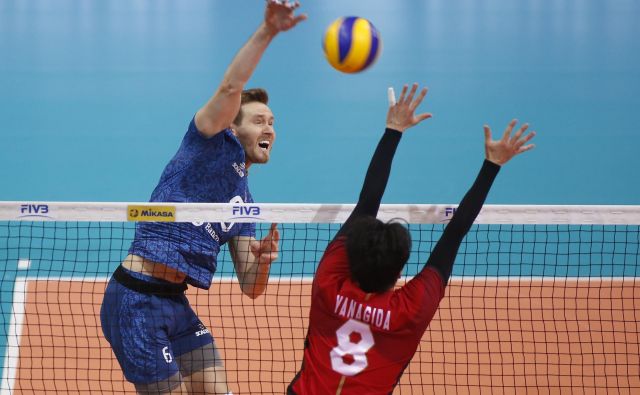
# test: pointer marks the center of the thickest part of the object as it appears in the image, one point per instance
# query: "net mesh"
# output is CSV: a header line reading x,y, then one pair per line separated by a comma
x,y
543,308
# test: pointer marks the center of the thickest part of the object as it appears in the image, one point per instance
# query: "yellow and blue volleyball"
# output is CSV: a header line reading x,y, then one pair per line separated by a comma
x,y
351,44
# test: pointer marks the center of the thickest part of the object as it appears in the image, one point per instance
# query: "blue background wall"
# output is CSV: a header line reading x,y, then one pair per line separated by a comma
x,y
95,97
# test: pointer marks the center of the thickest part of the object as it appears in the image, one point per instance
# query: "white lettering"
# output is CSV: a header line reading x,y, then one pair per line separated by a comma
x,y
202,332
339,299
212,232
167,355
239,168
387,321
379,316
367,314
352,309
359,313
343,310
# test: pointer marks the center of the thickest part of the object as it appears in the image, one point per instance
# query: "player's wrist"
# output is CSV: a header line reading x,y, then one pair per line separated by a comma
x,y
395,127
268,29
494,160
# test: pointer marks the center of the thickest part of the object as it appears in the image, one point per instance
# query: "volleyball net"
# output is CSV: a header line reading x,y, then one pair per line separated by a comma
x,y
543,299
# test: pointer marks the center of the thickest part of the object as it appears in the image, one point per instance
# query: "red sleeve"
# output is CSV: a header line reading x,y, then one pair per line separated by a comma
x,y
333,267
421,296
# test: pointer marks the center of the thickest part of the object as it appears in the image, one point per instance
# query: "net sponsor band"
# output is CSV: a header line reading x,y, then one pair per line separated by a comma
x,y
151,213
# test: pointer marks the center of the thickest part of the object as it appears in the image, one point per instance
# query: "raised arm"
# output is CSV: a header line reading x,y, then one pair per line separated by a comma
x,y
400,117
497,153
220,110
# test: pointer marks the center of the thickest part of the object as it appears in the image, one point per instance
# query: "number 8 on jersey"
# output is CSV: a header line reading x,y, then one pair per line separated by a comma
x,y
354,340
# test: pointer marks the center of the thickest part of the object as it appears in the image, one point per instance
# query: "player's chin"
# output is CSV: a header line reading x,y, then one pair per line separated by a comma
x,y
261,157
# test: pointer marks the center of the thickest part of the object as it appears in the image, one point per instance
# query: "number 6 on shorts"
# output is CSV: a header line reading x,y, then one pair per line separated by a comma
x,y
346,346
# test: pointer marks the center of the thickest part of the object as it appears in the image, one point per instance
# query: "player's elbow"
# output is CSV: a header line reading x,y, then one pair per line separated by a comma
x,y
230,87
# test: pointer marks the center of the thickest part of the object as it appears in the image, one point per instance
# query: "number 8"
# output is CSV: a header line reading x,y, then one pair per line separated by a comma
x,y
347,347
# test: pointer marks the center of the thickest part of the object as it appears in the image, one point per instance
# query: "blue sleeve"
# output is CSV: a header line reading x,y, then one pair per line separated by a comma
x,y
194,143
201,170
248,229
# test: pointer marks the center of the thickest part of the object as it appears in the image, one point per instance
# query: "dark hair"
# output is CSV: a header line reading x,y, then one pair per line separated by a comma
x,y
250,96
377,252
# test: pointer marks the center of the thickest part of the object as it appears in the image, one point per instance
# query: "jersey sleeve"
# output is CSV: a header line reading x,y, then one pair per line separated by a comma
x,y
421,296
195,143
333,267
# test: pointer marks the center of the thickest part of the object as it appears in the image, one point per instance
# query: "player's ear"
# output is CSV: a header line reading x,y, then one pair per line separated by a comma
x,y
234,129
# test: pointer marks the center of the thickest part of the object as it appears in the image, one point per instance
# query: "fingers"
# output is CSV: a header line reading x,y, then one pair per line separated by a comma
x,y
520,144
299,18
509,129
516,136
419,99
391,97
268,258
285,3
266,251
404,98
414,88
274,233
422,117
270,242
526,148
487,134
403,93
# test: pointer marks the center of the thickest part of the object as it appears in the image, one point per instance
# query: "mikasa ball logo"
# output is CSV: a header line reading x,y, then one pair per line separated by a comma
x,y
151,213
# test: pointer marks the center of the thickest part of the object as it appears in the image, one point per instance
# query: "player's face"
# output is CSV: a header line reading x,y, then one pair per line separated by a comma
x,y
255,132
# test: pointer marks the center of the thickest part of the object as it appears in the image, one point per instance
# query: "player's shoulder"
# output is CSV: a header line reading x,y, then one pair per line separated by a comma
x,y
337,245
336,251
194,132
333,268
418,299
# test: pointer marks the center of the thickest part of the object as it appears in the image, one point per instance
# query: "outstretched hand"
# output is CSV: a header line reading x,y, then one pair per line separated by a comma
x,y
266,250
401,115
501,151
279,15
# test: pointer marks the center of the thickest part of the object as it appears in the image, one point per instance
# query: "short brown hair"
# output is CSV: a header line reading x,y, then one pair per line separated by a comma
x,y
250,96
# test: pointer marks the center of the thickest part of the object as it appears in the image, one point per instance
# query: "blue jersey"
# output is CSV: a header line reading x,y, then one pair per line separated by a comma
x,y
204,170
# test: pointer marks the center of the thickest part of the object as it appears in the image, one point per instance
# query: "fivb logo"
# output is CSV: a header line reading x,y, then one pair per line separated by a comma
x,y
242,212
245,211
34,210
448,213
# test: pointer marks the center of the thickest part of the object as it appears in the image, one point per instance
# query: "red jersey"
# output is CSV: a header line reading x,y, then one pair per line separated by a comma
x,y
360,343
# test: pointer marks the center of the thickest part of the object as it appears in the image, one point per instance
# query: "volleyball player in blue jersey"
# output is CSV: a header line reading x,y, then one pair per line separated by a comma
x,y
160,343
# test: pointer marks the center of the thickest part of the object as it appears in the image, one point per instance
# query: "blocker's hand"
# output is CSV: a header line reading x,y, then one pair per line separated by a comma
x,y
279,15
401,114
501,151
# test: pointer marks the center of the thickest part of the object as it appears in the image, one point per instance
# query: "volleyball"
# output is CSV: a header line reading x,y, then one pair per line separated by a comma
x,y
351,44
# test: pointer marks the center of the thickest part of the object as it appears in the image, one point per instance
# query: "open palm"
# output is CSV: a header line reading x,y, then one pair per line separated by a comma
x,y
501,151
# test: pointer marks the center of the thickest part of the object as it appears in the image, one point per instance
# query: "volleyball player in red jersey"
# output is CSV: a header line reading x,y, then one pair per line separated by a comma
x,y
363,333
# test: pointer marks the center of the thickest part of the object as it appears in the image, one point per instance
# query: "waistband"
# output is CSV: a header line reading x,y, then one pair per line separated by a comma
x,y
135,284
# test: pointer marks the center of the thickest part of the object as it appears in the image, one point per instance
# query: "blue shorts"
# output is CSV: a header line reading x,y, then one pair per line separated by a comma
x,y
149,333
